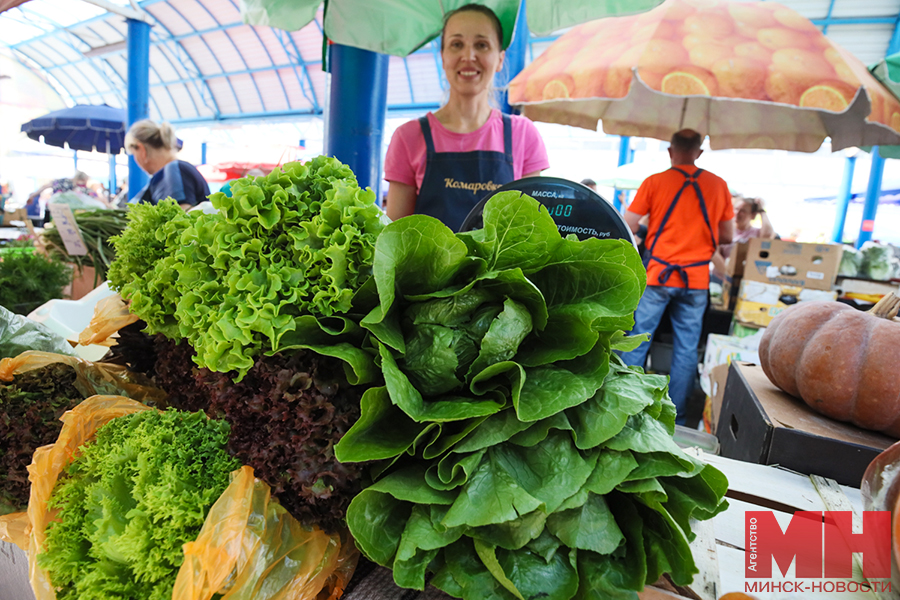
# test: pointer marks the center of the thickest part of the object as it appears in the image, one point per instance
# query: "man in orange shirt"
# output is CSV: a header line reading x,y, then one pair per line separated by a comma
x,y
690,215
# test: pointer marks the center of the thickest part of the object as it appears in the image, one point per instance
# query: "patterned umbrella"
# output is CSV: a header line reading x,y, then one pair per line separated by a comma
x,y
401,26
748,74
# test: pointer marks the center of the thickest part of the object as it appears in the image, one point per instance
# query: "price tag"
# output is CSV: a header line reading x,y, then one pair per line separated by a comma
x,y
68,229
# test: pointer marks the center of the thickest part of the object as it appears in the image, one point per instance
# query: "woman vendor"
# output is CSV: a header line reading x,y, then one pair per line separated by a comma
x,y
745,211
442,164
155,150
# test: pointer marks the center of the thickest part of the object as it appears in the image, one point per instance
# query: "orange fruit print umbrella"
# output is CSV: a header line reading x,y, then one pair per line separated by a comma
x,y
749,75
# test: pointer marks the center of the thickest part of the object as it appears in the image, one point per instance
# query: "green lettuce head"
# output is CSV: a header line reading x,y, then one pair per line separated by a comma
x,y
520,457
278,266
511,315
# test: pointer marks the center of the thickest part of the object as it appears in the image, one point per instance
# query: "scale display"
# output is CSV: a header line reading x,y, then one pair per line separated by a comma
x,y
575,208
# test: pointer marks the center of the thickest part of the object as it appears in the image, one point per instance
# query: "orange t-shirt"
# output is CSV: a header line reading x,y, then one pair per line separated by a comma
x,y
686,238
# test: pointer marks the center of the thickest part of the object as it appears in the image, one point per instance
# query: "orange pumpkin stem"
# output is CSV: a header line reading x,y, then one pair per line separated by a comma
x,y
887,307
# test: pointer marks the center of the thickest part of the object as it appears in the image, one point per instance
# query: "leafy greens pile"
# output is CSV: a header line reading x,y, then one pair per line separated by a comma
x,y
97,227
278,266
145,270
129,502
28,280
30,408
286,416
521,458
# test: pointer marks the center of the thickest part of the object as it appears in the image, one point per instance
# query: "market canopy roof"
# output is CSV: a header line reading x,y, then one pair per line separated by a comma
x,y
206,65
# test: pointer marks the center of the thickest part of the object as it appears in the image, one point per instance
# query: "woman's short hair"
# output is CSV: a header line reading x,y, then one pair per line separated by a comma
x,y
145,131
477,8
80,177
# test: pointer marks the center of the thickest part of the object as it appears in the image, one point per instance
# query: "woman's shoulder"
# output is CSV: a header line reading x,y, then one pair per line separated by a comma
x,y
523,122
411,128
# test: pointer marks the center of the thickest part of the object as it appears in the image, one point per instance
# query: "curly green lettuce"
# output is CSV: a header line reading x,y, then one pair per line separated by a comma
x,y
282,264
145,269
130,501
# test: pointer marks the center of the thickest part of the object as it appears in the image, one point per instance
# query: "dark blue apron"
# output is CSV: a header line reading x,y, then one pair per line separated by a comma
x,y
455,182
689,180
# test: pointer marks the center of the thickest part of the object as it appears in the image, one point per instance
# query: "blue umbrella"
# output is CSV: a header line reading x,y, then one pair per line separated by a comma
x,y
82,127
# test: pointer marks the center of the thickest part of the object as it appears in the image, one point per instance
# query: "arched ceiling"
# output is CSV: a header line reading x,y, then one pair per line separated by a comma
x,y
206,65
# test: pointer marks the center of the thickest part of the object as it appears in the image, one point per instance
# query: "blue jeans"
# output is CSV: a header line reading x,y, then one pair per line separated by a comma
x,y
687,310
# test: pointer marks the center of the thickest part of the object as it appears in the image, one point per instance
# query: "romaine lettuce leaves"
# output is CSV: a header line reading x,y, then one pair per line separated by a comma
x,y
519,457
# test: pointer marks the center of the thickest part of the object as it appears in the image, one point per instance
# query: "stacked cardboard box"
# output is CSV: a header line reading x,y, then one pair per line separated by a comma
x,y
734,271
778,274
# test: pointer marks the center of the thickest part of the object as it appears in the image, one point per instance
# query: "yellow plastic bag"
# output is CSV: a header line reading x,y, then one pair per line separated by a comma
x,y
110,315
92,378
248,548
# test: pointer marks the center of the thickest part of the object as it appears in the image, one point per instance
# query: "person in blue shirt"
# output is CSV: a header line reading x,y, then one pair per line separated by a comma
x,y
155,150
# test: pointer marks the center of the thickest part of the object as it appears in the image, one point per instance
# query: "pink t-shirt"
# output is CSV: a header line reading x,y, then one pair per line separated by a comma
x,y
405,160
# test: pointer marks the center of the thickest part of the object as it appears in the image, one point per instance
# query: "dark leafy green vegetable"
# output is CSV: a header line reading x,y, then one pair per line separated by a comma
x,y
130,501
30,408
286,416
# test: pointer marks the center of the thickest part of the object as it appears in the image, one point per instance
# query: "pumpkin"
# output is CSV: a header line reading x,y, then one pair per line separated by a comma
x,y
844,363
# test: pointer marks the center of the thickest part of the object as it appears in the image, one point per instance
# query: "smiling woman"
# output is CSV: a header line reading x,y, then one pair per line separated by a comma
x,y
442,164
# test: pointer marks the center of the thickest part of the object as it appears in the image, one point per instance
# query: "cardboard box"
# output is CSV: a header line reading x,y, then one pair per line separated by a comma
x,y
759,423
734,264
731,285
855,285
713,406
809,266
758,303
731,278
722,350
7,216
743,330
83,282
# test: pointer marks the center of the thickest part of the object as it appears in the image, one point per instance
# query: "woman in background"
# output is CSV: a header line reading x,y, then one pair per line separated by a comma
x,y
155,149
745,210
442,164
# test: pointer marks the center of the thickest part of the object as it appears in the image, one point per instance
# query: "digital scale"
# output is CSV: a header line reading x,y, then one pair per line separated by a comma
x,y
575,208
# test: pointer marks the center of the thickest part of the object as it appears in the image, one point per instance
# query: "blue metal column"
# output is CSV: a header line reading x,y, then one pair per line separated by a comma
x,y
75,159
515,59
873,192
112,175
203,153
843,201
625,156
356,111
138,92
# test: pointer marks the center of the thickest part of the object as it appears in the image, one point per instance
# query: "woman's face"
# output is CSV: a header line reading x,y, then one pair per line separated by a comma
x,y
139,152
743,214
471,53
